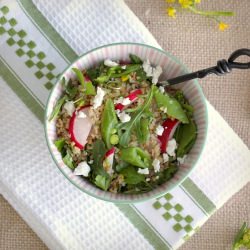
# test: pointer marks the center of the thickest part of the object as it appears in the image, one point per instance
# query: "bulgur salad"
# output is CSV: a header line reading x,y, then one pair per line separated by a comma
x,y
120,130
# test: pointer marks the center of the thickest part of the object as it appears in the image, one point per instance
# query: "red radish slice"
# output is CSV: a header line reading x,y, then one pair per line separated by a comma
x,y
79,128
132,97
169,126
110,152
86,78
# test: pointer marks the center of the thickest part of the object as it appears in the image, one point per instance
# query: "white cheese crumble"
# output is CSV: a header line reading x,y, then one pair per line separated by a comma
x,y
159,130
119,100
147,179
82,169
151,71
91,161
171,147
156,74
69,107
81,114
165,157
124,66
162,89
97,102
156,165
181,160
110,63
143,171
123,116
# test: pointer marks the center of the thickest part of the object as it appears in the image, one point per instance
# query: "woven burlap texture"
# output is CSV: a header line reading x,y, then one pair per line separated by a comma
x,y
199,44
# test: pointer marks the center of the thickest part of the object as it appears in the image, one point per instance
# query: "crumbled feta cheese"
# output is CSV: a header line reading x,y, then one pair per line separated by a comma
x,y
151,71
81,114
143,171
159,130
171,147
165,157
156,74
110,63
123,116
126,101
157,177
147,68
82,169
124,66
162,89
97,102
181,160
69,107
91,161
156,165
147,179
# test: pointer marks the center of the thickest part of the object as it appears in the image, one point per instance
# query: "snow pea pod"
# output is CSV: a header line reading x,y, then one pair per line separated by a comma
x,y
108,122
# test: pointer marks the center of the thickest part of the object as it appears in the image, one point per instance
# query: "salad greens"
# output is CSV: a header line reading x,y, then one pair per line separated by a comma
x,y
109,122
242,239
122,146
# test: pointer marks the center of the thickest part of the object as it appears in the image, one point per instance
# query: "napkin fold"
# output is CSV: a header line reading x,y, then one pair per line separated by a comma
x,y
37,41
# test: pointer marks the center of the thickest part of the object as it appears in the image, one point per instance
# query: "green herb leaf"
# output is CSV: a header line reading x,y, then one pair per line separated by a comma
x,y
89,89
68,160
135,59
102,182
174,108
129,69
108,122
167,173
59,143
125,129
121,165
238,241
99,151
184,103
131,176
185,136
71,90
136,157
57,107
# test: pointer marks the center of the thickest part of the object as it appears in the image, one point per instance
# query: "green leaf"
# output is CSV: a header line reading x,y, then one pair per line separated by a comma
x,y
121,165
185,136
108,122
89,89
135,59
99,151
59,143
142,130
57,107
136,157
184,103
68,160
174,108
237,244
129,69
125,129
71,90
131,176
102,182
167,173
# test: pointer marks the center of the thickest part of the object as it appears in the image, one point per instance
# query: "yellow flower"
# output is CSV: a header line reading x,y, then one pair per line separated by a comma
x,y
170,1
171,12
223,26
197,1
185,3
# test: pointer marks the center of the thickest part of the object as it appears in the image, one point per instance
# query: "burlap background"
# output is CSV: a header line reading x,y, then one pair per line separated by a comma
x,y
198,43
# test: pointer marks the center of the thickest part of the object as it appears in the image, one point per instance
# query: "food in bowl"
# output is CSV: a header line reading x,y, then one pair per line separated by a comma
x,y
120,130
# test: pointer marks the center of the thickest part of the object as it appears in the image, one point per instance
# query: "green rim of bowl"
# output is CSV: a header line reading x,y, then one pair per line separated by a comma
x,y
171,185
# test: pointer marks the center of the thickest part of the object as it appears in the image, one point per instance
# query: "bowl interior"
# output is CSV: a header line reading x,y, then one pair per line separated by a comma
x,y
171,68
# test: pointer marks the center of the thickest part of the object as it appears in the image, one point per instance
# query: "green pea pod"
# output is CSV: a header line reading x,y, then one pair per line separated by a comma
x,y
109,122
172,106
136,156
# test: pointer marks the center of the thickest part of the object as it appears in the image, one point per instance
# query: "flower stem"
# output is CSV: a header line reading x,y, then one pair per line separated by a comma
x,y
210,13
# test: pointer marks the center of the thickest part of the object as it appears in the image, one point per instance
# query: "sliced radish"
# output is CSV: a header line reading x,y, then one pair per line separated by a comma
x,y
169,126
109,160
79,127
132,97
